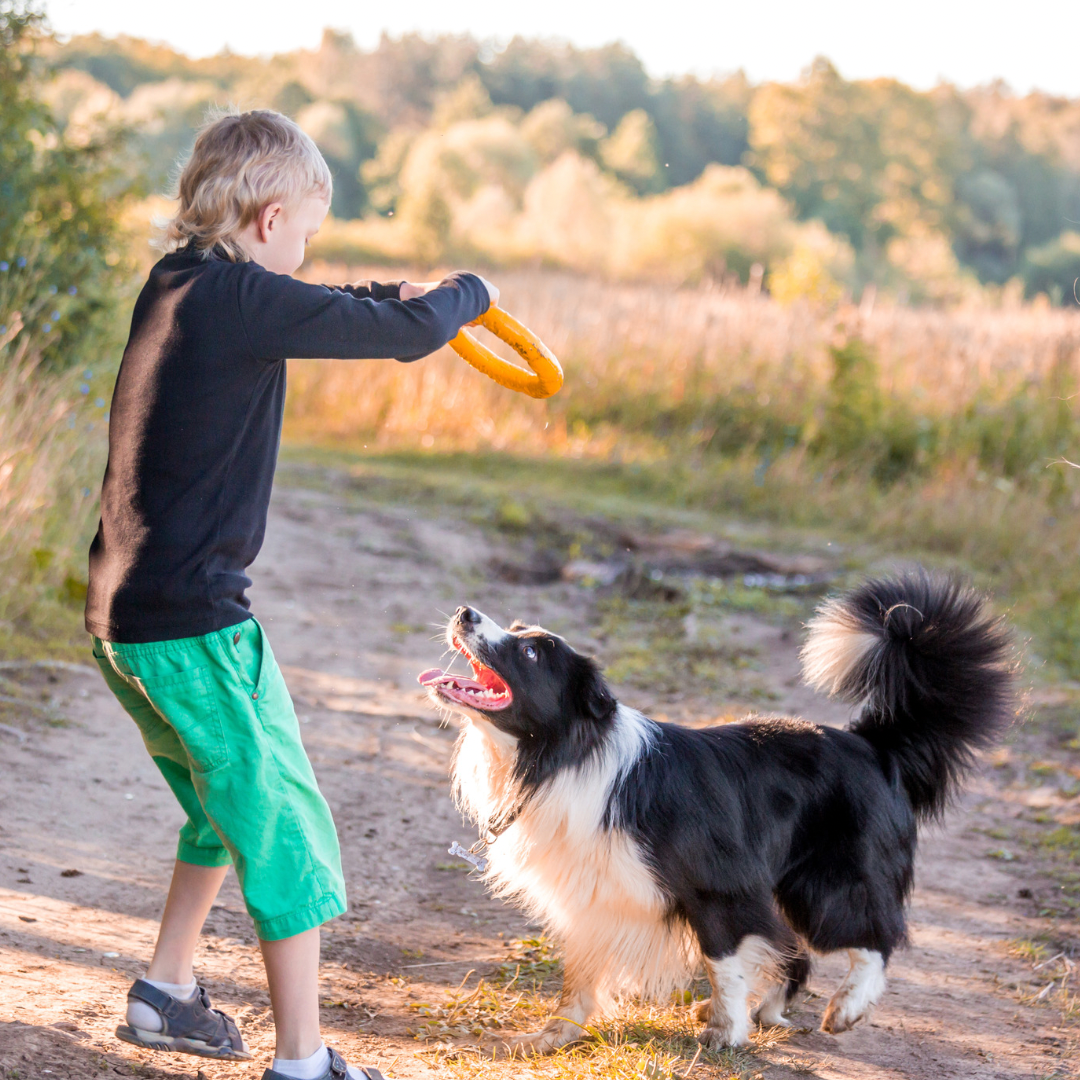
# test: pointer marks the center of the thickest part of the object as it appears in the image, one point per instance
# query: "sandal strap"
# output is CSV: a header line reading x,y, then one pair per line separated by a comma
x,y
157,999
340,1071
194,1018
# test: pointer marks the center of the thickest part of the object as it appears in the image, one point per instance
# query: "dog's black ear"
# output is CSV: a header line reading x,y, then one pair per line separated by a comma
x,y
517,624
587,693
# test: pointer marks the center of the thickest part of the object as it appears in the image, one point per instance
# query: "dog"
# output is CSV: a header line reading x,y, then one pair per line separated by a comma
x,y
648,850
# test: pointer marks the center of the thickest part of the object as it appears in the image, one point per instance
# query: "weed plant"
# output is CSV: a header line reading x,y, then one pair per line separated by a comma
x,y
52,455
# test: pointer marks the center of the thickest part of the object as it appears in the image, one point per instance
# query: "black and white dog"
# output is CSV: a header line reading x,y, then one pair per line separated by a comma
x,y
646,849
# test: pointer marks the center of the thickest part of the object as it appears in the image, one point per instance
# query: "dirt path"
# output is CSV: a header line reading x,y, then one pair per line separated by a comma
x,y
351,598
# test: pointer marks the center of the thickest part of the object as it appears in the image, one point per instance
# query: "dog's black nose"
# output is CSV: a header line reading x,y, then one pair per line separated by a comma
x,y
468,615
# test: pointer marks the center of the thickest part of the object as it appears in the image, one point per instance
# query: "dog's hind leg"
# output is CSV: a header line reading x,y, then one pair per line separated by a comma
x,y
770,1012
794,976
858,993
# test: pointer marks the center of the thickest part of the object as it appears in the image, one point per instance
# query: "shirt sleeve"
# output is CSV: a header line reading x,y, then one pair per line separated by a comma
x,y
374,290
283,317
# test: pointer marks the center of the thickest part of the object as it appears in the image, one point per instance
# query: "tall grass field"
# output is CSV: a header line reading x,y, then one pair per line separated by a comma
x,y
938,434
944,435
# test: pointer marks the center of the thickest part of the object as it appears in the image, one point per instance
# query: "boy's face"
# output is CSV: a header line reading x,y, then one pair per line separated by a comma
x,y
277,239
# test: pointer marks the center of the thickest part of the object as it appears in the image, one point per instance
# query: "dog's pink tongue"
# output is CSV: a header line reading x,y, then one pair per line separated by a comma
x,y
428,676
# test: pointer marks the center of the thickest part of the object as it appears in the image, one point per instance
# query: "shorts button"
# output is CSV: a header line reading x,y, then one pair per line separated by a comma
x,y
236,638
255,696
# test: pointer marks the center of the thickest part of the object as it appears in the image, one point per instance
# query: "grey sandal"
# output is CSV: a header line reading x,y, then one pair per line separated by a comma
x,y
337,1070
191,1027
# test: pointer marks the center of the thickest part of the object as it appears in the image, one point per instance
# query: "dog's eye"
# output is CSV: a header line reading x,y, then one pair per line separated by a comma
x,y
529,652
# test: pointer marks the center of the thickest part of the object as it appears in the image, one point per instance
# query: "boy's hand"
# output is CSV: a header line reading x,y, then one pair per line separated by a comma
x,y
409,290
493,293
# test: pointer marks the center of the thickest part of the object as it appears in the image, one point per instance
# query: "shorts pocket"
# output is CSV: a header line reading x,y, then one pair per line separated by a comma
x,y
186,702
248,650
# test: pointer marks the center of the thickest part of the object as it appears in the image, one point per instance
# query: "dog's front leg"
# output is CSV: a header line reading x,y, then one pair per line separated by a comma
x,y
725,1016
576,1004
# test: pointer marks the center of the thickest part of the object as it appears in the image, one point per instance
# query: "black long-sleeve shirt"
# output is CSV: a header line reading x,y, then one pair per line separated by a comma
x,y
195,424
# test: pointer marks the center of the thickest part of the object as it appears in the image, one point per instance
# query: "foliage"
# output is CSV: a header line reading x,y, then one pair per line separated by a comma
x,y
348,136
60,251
925,194
721,224
52,451
479,188
1053,268
867,158
630,152
62,272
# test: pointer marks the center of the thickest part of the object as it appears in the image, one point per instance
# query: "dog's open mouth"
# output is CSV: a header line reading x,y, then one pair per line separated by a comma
x,y
485,690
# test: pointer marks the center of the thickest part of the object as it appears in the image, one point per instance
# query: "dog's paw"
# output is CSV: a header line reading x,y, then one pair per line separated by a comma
x,y
839,1018
844,1011
857,995
770,1011
713,1037
769,1016
539,1042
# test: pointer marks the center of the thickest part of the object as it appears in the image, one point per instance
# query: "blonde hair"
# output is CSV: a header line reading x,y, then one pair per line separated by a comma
x,y
240,163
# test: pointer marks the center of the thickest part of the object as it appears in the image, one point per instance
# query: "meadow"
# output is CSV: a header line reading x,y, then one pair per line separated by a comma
x,y
929,433
942,435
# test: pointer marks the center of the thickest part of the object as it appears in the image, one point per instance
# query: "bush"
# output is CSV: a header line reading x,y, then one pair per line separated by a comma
x,y
723,223
1053,268
60,250
61,285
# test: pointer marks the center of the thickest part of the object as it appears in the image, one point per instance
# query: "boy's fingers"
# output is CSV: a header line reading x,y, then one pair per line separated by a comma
x,y
493,293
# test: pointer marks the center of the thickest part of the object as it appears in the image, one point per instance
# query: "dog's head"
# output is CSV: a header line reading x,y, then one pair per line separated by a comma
x,y
525,681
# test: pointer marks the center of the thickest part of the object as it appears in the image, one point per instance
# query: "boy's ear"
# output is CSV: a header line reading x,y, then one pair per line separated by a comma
x,y
269,217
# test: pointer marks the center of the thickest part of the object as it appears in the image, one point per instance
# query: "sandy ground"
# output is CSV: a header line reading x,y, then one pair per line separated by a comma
x,y
351,598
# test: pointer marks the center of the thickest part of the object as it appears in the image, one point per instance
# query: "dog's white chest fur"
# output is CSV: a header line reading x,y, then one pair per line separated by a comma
x,y
587,883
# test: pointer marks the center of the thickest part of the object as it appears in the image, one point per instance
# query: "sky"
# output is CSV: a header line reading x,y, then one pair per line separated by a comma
x,y
1029,45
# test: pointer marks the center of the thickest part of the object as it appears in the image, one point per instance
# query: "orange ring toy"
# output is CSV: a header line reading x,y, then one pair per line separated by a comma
x,y
546,376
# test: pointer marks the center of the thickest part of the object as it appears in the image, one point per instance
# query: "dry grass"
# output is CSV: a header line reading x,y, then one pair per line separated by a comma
x,y
654,1042
934,434
642,1042
49,461
673,348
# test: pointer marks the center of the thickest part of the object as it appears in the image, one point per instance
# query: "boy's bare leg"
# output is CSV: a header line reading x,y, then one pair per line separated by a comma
x,y
191,895
292,970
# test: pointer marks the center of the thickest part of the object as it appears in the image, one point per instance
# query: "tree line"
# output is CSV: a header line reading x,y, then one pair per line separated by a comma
x,y
979,182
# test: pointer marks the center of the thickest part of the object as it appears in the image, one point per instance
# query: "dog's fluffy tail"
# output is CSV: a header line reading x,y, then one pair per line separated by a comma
x,y
932,667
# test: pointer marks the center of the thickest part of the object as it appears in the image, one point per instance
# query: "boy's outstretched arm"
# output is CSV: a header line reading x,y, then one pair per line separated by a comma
x,y
282,317
409,290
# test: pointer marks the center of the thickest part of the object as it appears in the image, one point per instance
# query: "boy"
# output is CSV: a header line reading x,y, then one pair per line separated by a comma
x,y
193,440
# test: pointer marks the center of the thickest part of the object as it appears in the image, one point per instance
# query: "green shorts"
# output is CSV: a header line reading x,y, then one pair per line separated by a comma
x,y
218,721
